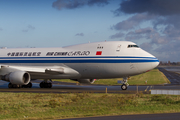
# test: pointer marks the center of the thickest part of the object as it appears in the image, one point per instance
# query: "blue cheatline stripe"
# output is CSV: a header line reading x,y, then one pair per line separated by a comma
x,y
76,57
82,61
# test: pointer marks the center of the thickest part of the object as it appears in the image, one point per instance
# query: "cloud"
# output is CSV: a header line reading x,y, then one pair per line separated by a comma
x,y
117,35
98,2
1,29
131,36
79,34
29,27
147,30
158,7
132,22
146,46
139,34
172,32
169,47
73,4
155,23
25,30
169,51
147,34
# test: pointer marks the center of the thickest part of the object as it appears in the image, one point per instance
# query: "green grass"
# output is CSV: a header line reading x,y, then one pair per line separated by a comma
x,y
66,80
152,77
54,106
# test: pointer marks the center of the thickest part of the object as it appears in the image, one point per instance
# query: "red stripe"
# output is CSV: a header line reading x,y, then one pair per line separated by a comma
x,y
98,52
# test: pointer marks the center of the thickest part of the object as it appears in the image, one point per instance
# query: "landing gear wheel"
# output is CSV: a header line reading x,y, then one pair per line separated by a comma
x,y
24,86
41,85
49,85
45,85
124,83
10,85
123,86
29,85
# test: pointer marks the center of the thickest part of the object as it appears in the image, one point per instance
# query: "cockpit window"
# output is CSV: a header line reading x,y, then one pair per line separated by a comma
x,y
130,46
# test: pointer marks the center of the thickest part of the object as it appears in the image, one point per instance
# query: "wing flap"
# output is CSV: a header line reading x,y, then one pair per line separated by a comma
x,y
54,71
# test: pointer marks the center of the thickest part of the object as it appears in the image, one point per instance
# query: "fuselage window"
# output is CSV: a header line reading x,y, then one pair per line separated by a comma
x,y
130,46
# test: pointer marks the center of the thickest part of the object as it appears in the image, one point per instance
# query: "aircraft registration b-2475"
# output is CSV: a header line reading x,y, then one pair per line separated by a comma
x,y
82,63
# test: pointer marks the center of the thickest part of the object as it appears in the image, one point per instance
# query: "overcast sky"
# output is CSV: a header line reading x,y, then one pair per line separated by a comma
x,y
152,24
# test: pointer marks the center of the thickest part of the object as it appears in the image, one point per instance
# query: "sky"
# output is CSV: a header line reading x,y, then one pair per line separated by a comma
x,y
154,25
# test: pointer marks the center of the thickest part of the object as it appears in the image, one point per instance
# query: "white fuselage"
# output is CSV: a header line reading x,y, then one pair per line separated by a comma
x,y
112,59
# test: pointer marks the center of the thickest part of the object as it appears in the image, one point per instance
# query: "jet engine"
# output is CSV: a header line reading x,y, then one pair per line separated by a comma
x,y
18,78
85,81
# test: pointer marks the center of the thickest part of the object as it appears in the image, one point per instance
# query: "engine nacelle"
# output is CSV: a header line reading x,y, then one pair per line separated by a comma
x,y
19,78
85,81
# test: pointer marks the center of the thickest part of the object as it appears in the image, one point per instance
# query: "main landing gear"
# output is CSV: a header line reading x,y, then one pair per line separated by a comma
x,y
10,85
29,85
46,84
124,83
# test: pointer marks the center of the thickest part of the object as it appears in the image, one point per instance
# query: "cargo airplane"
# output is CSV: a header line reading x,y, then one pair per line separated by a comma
x,y
83,63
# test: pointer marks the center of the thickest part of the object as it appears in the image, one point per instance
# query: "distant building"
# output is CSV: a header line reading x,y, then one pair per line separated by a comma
x,y
169,63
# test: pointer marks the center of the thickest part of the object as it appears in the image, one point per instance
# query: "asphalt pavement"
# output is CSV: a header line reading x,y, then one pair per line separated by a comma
x,y
173,77
166,116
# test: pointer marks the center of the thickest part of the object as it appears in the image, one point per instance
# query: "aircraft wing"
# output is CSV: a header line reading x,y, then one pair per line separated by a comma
x,y
33,69
19,74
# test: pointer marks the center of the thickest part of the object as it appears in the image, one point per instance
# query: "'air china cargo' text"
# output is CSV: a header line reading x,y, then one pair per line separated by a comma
x,y
76,53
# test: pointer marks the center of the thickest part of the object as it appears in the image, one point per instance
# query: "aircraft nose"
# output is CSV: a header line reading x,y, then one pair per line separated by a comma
x,y
155,63
150,62
153,59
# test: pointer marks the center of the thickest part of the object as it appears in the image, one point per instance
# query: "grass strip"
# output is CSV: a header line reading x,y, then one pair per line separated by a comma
x,y
152,77
54,106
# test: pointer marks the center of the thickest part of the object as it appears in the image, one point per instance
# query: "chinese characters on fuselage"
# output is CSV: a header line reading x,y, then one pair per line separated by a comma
x,y
24,54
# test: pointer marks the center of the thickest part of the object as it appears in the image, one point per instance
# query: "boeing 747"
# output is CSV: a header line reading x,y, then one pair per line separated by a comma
x,y
82,63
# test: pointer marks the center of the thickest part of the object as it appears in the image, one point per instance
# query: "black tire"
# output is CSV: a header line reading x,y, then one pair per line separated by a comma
x,y
41,85
10,85
49,85
123,86
14,86
45,85
25,86
29,85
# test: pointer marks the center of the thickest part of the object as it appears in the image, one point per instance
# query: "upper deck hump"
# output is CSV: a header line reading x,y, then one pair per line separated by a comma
x,y
95,44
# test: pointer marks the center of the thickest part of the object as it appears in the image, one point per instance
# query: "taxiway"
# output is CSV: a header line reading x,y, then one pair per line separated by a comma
x,y
60,87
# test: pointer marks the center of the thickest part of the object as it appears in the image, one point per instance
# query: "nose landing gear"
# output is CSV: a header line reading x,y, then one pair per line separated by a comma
x,y
124,83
